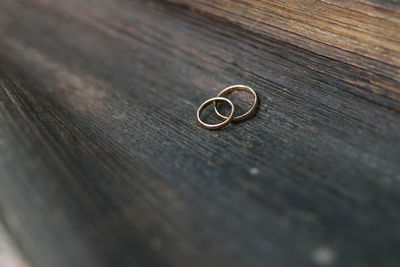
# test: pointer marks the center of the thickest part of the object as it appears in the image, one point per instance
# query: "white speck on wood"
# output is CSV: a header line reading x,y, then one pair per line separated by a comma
x,y
323,256
254,171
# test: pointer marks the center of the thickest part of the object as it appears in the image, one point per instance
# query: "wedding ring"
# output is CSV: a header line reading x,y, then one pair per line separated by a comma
x,y
231,89
226,121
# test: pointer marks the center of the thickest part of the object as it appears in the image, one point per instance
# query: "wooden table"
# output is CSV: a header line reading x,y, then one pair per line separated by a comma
x,y
102,162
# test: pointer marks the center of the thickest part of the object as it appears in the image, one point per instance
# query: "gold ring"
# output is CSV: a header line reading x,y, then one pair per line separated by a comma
x,y
226,121
231,89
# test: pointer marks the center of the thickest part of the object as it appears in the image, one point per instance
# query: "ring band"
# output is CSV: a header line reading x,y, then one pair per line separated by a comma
x,y
231,89
226,121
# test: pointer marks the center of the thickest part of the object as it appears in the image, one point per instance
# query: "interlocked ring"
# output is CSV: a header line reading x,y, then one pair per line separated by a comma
x,y
231,89
226,121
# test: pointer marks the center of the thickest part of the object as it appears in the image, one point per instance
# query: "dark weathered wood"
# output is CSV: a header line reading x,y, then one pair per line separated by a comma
x,y
102,162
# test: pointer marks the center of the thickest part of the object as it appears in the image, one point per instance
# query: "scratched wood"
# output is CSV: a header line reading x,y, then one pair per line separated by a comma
x,y
102,162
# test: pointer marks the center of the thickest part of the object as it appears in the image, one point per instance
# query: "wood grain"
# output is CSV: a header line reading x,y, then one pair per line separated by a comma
x,y
102,162
360,34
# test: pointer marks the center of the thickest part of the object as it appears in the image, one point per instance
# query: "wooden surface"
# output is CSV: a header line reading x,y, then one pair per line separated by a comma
x,y
102,162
